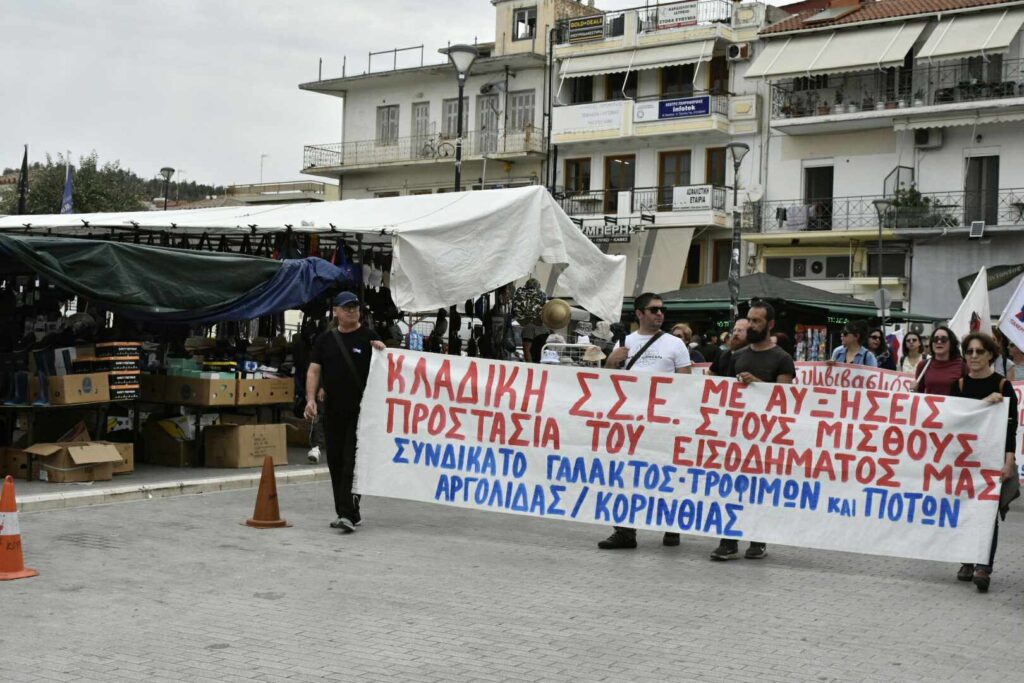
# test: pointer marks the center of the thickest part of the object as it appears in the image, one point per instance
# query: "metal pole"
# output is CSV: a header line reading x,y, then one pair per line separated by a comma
x,y
458,140
880,274
167,189
734,264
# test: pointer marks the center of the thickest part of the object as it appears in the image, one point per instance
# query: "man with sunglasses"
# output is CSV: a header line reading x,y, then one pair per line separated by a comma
x,y
649,349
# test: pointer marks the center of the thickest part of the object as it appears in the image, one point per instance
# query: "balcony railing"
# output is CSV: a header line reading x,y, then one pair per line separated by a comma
x,y
971,80
435,147
668,198
910,209
663,17
286,188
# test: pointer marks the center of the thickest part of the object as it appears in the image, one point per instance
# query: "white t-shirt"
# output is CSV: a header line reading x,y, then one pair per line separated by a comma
x,y
667,354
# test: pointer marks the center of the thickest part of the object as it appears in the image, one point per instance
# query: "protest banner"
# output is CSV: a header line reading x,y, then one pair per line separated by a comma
x,y
844,375
1018,389
861,470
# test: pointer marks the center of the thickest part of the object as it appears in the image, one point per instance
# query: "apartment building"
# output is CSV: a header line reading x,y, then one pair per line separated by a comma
x,y
399,124
892,128
646,101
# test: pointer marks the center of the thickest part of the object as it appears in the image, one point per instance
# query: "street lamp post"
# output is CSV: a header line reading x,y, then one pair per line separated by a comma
x,y
738,150
882,207
167,172
462,58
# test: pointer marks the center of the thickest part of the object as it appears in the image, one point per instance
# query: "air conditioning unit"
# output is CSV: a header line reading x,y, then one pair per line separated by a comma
x,y
816,268
928,138
738,52
799,268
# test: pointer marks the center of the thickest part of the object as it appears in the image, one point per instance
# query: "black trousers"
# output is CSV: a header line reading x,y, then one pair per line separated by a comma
x,y
340,434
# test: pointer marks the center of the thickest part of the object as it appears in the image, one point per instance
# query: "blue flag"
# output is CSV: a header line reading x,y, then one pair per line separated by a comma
x,y
65,203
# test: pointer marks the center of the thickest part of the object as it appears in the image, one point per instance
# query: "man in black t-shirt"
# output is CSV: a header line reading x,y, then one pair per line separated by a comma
x,y
760,361
340,362
737,341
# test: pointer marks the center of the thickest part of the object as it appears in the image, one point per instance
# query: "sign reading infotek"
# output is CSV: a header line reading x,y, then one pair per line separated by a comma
x,y
892,473
676,108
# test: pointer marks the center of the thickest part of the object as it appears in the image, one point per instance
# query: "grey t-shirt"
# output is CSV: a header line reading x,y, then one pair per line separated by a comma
x,y
765,365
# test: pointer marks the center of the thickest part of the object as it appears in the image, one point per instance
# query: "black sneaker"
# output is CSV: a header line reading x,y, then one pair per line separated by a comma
x,y
617,541
670,539
343,523
981,580
756,551
966,572
726,550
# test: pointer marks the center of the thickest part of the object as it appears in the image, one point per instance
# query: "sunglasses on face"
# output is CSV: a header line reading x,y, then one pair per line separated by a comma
x,y
940,340
655,310
974,351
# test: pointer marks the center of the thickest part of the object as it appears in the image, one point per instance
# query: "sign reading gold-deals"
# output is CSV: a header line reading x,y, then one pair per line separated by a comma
x,y
860,470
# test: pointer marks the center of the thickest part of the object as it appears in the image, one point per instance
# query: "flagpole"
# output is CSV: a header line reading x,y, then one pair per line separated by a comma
x,y
23,185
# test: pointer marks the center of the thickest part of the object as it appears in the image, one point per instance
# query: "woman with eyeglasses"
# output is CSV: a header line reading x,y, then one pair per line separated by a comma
x,y
852,350
985,384
913,352
936,374
877,346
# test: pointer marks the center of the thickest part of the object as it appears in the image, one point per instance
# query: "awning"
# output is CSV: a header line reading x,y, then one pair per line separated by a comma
x,y
964,35
973,118
842,51
637,60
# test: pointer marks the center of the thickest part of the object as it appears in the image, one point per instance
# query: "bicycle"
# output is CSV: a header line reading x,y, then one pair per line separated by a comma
x,y
437,148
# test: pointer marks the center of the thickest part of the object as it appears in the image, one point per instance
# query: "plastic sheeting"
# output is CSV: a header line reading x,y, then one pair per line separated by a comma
x,y
173,285
448,247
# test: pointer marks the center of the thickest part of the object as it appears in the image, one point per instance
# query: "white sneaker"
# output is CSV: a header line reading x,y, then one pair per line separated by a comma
x,y
314,455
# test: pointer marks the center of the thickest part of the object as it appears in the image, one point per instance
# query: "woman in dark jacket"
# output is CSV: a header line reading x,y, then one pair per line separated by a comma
x,y
877,346
984,384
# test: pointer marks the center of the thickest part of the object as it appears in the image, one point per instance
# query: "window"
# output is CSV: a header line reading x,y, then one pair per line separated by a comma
x,y
981,190
714,166
719,76
779,267
618,176
581,90
614,86
692,271
389,193
520,108
673,171
677,80
524,23
810,83
987,68
421,119
723,257
577,175
837,267
450,110
387,125
421,191
893,265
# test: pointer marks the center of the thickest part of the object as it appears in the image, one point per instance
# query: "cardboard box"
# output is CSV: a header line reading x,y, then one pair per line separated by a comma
x,y
297,431
194,391
127,453
160,448
14,463
87,388
265,391
75,461
153,388
231,445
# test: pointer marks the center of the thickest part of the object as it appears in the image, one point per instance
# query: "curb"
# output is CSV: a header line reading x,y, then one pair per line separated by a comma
x,y
125,494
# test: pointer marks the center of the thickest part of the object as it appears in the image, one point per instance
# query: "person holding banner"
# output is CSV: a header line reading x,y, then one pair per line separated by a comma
x,y
853,350
737,341
912,352
937,374
760,361
878,346
984,384
341,362
648,349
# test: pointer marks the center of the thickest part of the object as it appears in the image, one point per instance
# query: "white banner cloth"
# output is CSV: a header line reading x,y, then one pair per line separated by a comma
x,y
860,470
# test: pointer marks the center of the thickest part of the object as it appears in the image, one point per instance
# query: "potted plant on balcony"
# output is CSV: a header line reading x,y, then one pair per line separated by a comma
x,y
852,105
911,209
919,97
837,108
823,107
868,103
880,104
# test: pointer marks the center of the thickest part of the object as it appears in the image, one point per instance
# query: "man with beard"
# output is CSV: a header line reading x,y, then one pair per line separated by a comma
x,y
761,361
737,341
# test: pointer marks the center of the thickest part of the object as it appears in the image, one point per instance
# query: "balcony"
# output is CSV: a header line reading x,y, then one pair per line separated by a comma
x,y
690,204
282,193
334,158
926,94
911,210
700,112
653,25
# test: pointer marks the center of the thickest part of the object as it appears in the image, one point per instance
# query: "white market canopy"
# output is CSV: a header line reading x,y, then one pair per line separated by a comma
x,y
447,247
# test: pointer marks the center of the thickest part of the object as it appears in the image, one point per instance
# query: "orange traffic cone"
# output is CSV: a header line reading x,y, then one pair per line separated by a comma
x,y
12,565
267,514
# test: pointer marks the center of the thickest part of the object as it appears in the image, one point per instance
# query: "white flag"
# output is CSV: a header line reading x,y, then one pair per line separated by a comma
x,y
973,314
1011,322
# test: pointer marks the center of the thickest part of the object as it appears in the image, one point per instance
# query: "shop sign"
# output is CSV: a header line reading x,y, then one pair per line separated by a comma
x,y
676,108
593,117
691,197
605,233
586,29
676,15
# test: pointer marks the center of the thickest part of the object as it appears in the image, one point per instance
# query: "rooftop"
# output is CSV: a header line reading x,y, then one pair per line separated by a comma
x,y
871,11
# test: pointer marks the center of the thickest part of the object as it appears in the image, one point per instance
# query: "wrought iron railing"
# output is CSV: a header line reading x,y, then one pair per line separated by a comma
x,y
641,199
290,187
910,209
433,147
969,80
666,16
